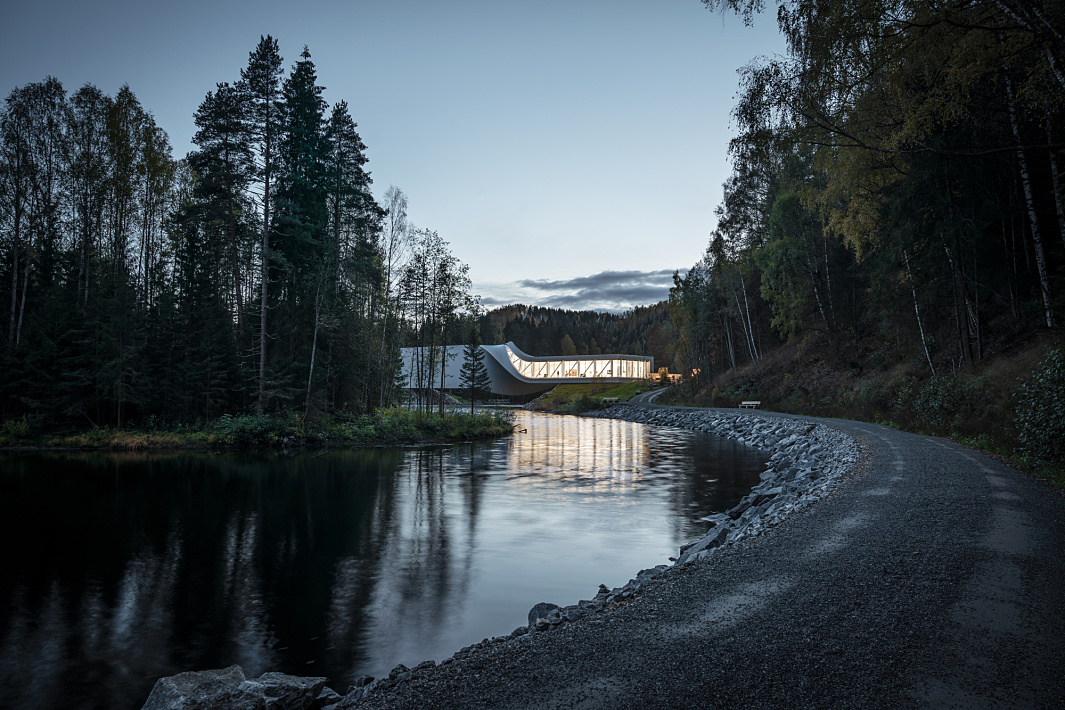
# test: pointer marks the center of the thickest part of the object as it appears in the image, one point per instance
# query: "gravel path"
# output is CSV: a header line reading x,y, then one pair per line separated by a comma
x,y
932,576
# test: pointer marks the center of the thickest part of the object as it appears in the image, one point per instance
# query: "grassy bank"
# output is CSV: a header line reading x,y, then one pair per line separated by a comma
x,y
1012,405
571,399
392,426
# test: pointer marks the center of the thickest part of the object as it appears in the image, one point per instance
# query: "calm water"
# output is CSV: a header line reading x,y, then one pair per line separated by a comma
x,y
121,568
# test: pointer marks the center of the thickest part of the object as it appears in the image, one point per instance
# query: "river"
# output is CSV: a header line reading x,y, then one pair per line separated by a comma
x,y
121,568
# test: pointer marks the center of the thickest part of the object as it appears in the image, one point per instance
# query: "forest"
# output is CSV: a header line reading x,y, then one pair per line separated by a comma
x,y
256,275
896,197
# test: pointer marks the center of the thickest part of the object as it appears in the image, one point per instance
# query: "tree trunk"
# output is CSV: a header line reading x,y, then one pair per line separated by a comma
x,y
747,311
265,272
314,348
917,311
1037,240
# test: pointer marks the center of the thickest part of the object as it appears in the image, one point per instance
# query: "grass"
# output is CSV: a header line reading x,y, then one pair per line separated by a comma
x,y
390,426
579,398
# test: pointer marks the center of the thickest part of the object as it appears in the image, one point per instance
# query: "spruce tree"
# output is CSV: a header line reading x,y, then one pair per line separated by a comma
x,y
261,82
474,375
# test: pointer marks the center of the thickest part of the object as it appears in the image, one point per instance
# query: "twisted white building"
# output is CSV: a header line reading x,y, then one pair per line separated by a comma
x,y
512,372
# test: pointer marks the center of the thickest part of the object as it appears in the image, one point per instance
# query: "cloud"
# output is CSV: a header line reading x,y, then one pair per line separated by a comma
x,y
613,291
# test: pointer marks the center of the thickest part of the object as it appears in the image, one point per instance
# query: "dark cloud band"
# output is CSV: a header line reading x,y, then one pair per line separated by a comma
x,y
614,291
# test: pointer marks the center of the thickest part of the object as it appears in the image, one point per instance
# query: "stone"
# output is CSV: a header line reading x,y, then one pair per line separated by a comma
x,y
289,692
573,613
204,690
540,611
327,697
711,540
363,680
520,631
395,672
425,664
741,508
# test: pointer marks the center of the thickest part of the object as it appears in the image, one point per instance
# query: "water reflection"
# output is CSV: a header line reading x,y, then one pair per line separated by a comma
x,y
123,568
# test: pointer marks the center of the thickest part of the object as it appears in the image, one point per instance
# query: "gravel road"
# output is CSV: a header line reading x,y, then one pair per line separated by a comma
x,y
932,577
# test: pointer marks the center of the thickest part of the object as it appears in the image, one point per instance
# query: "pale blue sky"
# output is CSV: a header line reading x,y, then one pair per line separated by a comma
x,y
547,141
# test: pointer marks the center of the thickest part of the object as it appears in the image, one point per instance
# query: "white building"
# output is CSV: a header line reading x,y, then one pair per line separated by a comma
x,y
512,372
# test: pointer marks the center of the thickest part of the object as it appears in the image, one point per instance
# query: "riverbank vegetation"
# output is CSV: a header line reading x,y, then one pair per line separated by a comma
x,y
574,399
896,220
385,427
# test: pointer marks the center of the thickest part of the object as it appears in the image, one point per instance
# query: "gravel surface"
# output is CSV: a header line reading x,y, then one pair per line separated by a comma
x,y
931,575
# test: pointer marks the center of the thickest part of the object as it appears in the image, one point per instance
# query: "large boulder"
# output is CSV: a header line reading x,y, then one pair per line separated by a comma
x,y
540,611
229,688
204,690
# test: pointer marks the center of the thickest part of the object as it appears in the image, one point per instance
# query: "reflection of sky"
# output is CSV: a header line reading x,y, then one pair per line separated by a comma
x,y
334,565
544,515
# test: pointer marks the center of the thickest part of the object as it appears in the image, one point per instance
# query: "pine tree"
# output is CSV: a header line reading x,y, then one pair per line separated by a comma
x,y
474,375
261,82
223,168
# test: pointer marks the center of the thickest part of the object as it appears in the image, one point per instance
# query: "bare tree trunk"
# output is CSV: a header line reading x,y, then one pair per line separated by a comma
x,y
1037,240
25,289
917,311
265,270
314,348
747,311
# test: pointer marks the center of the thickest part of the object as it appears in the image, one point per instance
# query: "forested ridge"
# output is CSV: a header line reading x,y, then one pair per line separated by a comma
x,y
895,208
255,275
538,330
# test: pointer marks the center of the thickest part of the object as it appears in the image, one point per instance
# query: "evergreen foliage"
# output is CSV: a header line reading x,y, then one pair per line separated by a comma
x,y
474,375
251,278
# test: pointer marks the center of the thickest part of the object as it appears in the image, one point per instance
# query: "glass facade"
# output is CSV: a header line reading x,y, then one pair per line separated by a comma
x,y
586,369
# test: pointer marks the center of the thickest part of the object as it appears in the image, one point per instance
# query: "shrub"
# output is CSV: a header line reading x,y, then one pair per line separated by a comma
x,y
1041,409
17,428
250,430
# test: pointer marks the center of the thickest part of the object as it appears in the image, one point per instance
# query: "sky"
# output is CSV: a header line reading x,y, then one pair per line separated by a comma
x,y
571,152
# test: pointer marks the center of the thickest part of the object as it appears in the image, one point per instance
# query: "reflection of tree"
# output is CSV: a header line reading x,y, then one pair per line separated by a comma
x,y
151,565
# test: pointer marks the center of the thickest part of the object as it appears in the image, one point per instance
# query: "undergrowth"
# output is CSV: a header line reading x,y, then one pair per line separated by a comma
x,y
1012,405
394,425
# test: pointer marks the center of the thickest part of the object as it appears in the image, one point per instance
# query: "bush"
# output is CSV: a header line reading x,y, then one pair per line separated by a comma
x,y
1041,409
17,428
250,430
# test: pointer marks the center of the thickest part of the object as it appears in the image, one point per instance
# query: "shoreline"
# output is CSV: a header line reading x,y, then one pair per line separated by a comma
x,y
809,459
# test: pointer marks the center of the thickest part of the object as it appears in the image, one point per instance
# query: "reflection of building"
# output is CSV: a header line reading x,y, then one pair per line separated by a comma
x,y
513,372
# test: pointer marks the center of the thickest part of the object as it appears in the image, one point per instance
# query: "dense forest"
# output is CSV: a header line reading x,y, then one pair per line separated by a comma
x,y
896,194
255,275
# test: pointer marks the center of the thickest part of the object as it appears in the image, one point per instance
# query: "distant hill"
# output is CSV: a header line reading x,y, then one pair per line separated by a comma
x,y
645,330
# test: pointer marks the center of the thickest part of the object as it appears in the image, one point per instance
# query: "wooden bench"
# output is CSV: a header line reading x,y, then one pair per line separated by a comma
x,y
751,404
609,400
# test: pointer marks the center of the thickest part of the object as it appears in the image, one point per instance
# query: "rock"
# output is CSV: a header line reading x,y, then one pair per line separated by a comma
x,y
397,671
573,613
363,680
714,538
327,697
204,690
229,688
425,664
540,611
741,508
767,496
520,631
289,692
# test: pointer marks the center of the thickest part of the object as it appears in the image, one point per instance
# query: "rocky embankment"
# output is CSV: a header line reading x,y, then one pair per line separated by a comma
x,y
808,460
